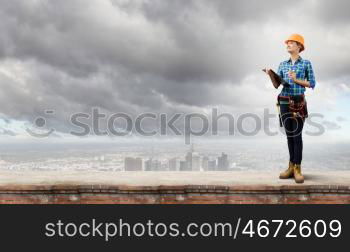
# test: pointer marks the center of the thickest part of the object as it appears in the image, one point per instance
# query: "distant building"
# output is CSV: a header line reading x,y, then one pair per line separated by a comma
x,y
174,164
188,159
211,165
164,166
223,163
148,165
193,160
132,164
205,163
196,162
184,166
153,165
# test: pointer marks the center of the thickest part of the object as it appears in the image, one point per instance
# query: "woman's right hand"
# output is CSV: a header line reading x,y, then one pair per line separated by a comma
x,y
267,70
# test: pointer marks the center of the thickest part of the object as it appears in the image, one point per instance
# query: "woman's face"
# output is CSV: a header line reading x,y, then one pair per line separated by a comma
x,y
292,47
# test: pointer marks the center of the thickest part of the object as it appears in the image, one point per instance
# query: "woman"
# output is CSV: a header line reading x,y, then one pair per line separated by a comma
x,y
298,75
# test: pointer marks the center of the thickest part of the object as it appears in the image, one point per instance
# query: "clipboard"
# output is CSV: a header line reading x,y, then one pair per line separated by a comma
x,y
276,79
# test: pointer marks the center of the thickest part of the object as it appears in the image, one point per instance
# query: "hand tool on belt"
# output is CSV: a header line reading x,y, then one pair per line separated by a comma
x,y
297,106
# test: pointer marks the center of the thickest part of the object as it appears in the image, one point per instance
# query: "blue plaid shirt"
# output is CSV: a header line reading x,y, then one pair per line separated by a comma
x,y
303,70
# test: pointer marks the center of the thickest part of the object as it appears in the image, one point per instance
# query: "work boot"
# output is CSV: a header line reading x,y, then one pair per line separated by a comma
x,y
298,177
289,173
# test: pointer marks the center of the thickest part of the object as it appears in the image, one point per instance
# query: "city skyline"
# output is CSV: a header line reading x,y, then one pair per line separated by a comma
x,y
191,161
243,156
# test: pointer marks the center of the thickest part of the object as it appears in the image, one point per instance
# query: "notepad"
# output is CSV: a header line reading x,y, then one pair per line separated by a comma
x,y
276,79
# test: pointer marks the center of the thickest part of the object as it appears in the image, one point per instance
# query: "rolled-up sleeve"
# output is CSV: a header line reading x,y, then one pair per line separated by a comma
x,y
310,76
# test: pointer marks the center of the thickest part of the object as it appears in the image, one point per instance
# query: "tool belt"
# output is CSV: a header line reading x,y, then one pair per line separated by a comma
x,y
297,106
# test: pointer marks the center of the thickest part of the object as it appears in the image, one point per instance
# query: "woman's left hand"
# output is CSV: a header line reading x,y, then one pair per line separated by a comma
x,y
292,75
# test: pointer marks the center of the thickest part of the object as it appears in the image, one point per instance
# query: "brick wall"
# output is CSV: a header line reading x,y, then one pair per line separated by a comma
x,y
104,194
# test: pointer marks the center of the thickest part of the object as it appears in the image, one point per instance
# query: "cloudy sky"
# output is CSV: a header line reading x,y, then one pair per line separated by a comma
x,y
136,56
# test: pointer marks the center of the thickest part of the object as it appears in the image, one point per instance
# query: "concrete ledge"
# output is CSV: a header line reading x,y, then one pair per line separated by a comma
x,y
171,188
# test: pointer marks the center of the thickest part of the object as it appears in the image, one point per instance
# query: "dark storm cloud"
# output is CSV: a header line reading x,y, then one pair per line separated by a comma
x,y
73,37
75,40
61,36
135,56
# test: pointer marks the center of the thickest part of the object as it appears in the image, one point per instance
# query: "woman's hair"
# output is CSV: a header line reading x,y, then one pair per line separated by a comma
x,y
301,47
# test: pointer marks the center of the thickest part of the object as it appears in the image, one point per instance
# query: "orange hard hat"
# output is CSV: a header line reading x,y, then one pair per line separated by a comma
x,y
297,38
